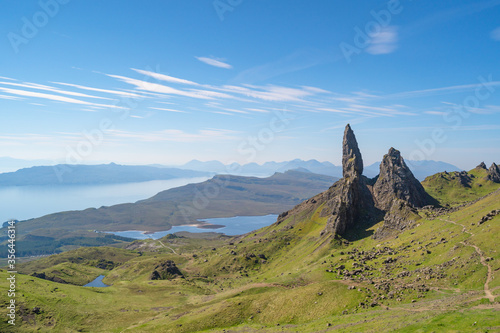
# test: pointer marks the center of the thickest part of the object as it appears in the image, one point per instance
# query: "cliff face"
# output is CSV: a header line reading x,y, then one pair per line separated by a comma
x,y
394,193
350,195
494,173
354,202
396,181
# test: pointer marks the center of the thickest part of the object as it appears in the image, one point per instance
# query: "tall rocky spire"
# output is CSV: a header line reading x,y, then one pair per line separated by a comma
x,y
352,163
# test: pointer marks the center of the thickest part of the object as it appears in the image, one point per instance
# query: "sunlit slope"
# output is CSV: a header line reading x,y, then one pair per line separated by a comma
x,y
441,275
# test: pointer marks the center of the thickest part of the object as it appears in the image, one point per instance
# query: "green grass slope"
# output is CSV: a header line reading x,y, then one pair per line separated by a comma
x,y
439,276
453,188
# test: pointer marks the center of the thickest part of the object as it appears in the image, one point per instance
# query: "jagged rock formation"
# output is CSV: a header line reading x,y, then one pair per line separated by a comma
x,y
482,166
397,192
352,163
350,196
356,202
165,271
494,173
396,181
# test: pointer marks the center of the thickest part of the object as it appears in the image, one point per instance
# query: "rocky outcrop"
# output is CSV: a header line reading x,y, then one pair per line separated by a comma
x,y
482,166
349,197
355,203
48,278
166,270
394,194
494,173
352,163
396,181
398,193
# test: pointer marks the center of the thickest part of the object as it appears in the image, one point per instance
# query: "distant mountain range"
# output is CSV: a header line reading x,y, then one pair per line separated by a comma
x,y
421,169
266,169
64,174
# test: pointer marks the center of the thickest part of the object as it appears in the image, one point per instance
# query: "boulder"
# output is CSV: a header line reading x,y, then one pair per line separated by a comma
x,y
165,270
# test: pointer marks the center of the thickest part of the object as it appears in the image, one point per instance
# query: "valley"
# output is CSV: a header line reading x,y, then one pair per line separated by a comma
x,y
434,268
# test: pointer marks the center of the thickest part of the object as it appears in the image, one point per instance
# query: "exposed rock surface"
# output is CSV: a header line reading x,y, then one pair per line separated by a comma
x,y
165,271
48,278
355,202
482,166
396,181
494,173
397,192
350,197
352,163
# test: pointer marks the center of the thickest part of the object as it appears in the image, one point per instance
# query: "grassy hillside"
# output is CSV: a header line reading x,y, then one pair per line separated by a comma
x,y
453,188
441,276
222,196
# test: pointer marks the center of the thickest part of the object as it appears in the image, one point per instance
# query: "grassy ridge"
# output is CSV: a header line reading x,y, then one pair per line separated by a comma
x,y
455,188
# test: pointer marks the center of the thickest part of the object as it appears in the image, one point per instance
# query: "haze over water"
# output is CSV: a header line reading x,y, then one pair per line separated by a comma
x,y
26,202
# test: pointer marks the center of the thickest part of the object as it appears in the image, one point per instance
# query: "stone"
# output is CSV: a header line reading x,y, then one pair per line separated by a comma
x,y
352,163
348,198
494,173
396,181
481,166
356,202
165,271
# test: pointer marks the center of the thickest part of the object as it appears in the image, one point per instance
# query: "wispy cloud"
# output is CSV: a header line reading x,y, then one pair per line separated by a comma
x,y
436,113
384,41
214,62
270,92
488,109
495,34
169,110
51,89
114,92
163,77
158,88
10,97
442,90
53,97
258,110
296,61
175,135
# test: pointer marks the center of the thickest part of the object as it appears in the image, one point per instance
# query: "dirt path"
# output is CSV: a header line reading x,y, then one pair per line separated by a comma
x,y
487,290
168,247
464,229
489,277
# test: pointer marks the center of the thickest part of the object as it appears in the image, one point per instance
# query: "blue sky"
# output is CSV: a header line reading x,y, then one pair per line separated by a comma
x,y
249,81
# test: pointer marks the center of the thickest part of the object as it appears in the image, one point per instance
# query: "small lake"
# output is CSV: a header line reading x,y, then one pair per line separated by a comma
x,y
25,202
232,226
97,282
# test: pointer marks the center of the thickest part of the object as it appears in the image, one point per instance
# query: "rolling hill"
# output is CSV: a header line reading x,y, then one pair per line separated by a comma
x,y
321,267
221,196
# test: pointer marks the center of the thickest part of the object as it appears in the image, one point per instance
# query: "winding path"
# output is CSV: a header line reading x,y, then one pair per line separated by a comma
x,y
489,277
168,247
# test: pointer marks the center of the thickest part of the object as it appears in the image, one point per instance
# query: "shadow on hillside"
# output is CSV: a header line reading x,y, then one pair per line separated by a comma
x,y
366,222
